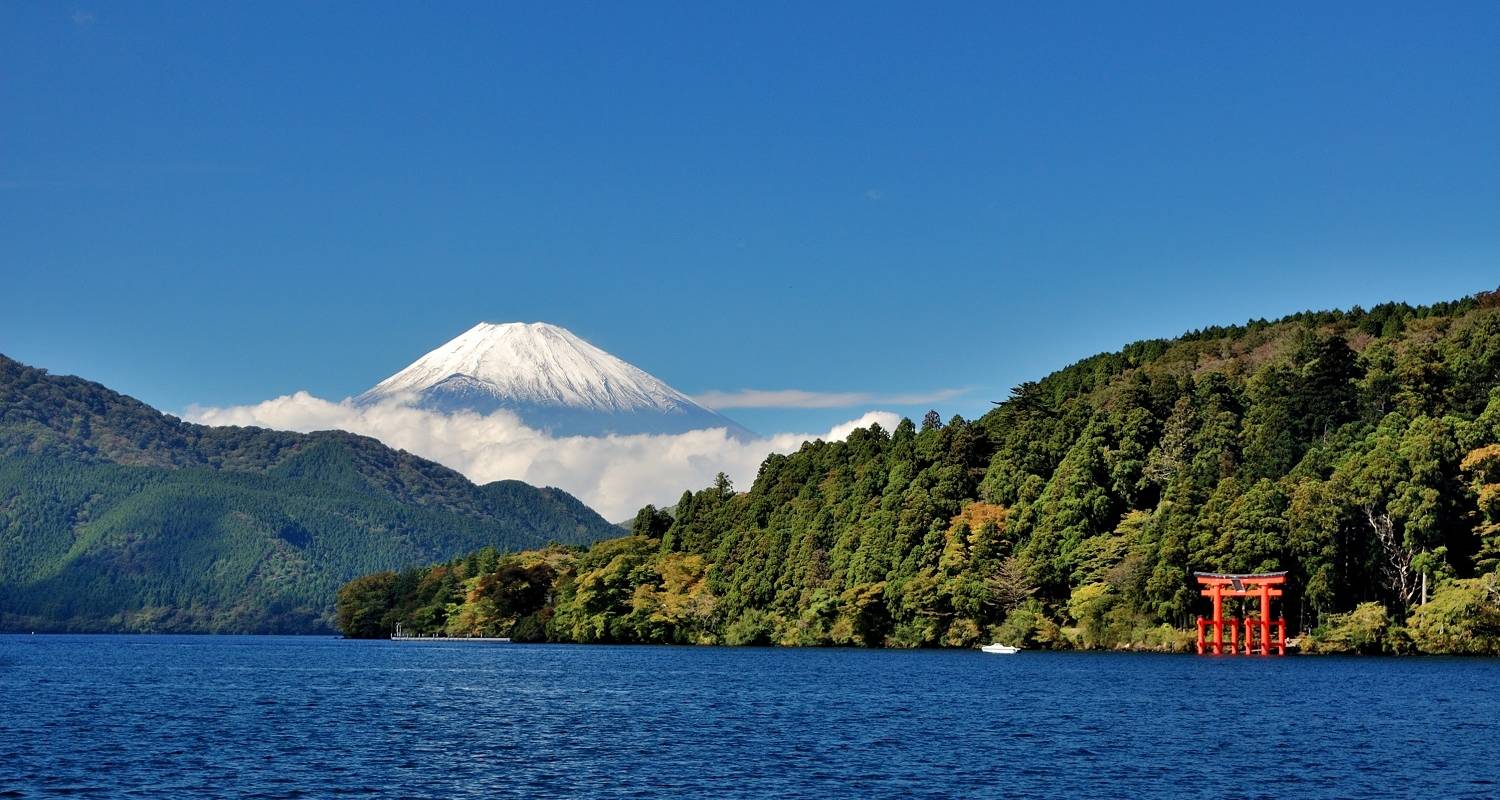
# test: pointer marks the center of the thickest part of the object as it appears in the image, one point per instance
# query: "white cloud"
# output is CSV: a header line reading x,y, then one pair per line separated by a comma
x,y
799,398
616,475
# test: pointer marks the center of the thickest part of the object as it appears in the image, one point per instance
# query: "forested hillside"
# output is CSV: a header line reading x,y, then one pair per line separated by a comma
x,y
116,517
1356,450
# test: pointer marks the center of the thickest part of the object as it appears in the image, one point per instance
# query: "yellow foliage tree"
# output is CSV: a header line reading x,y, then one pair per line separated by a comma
x,y
972,533
1483,466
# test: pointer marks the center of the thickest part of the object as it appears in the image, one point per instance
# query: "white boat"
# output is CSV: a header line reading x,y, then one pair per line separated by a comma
x,y
1000,649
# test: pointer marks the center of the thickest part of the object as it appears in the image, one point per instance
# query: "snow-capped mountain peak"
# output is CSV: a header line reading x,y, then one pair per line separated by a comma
x,y
551,378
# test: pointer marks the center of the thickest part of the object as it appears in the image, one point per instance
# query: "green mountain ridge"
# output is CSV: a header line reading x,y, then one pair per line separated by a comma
x,y
1358,450
115,517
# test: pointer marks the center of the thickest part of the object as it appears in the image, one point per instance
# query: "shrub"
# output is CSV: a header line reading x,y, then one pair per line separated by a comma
x,y
753,627
1463,618
1368,629
1029,626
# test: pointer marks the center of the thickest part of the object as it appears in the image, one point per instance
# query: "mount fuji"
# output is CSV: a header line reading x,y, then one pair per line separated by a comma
x,y
550,378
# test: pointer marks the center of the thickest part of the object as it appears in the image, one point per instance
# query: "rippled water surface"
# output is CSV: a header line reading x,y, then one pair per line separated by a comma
x,y
312,717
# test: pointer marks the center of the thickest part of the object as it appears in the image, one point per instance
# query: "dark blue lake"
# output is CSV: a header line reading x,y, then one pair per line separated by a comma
x,y
312,717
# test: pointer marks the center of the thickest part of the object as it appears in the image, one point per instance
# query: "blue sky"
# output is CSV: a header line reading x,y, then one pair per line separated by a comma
x,y
218,203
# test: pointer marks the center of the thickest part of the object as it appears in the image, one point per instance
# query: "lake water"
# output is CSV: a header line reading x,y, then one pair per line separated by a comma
x,y
269,717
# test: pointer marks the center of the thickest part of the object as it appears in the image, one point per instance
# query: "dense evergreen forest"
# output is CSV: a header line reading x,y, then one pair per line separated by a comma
x,y
1357,450
116,517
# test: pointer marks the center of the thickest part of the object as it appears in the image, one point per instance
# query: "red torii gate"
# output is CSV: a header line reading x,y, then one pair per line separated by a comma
x,y
1218,586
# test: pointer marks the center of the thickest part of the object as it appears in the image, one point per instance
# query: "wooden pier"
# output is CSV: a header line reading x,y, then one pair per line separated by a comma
x,y
401,636
495,639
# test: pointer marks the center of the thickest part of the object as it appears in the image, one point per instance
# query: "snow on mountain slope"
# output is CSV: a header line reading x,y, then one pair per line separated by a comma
x,y
550,378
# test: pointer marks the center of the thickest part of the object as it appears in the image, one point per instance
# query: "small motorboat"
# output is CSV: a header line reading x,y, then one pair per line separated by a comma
x,y
1000,649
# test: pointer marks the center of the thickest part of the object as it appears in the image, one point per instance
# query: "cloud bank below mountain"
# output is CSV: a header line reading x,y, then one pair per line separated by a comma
x,y
800,398
616,475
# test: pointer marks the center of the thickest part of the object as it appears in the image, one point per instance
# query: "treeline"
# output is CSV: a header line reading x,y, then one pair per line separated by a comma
x,y
1355,450
116,517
